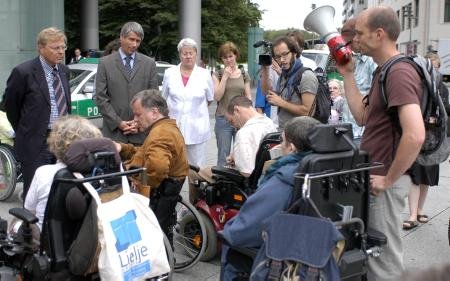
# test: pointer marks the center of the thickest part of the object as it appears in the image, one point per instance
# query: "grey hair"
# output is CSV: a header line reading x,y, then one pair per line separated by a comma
x,y
132,26
151,98
187,42
297,129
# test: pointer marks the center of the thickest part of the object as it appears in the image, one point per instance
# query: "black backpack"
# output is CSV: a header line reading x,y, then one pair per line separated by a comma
x,y
436,147
322,101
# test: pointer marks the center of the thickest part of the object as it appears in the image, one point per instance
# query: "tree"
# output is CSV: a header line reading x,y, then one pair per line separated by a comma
x,y
222,20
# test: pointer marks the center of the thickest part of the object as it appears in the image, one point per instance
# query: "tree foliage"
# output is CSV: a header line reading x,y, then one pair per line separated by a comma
x,y
222,20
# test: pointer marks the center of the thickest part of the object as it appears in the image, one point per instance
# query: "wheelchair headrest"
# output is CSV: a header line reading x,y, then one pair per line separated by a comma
x,y
325,138
79,157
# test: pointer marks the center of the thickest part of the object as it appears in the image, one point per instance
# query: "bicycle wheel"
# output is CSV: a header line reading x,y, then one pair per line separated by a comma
x,y
189,236
8,173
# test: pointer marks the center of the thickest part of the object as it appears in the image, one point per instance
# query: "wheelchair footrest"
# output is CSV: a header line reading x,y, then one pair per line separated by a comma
x,y
353,263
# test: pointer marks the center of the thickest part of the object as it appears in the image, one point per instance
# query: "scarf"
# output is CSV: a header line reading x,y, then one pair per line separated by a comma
x,y
285,160
289,75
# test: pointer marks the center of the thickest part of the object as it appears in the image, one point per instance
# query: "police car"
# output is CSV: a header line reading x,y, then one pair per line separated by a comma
x,y
82,85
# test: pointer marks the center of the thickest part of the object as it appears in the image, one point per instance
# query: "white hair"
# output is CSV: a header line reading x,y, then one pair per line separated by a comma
x,y
187,42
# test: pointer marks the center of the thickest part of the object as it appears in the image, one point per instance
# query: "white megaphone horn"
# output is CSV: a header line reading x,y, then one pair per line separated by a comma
x,y
321,21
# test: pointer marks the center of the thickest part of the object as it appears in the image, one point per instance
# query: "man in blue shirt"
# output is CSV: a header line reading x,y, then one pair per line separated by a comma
x,y
364,68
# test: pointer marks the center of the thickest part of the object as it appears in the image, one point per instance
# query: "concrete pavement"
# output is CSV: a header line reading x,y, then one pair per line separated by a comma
x,y
425,246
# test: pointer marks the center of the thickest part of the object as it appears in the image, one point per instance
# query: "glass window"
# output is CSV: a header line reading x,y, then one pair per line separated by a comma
x,y
447,11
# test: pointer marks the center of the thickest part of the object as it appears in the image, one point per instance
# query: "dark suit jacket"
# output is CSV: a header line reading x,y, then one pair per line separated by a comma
x,y
28,106
115,89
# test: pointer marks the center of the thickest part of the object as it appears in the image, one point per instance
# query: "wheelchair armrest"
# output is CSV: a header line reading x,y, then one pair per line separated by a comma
x,y
24,215
195,168
375,238
232,174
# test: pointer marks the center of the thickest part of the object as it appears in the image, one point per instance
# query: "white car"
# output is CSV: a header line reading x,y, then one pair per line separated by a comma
x,y
82,85
321,55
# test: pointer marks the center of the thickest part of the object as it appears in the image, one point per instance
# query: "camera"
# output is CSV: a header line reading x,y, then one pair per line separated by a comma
x,y
264,59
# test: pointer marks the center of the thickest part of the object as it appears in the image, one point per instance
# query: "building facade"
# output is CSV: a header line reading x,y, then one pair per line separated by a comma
x,y
353,8
423,22
20,22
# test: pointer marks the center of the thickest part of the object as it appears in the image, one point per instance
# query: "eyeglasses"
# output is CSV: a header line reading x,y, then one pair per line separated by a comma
x,y
283,55
188,54
58,48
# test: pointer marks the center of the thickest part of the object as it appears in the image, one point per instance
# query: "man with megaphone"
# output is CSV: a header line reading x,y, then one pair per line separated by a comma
x,y
393,137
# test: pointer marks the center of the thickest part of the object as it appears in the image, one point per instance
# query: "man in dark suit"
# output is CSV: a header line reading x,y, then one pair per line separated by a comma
x,y
120,76
37,94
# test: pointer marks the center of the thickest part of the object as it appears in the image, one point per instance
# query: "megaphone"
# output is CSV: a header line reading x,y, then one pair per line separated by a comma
x,y
320,21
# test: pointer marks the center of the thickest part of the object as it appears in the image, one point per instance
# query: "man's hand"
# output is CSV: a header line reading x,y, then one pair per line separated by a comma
x,y
128,127
230,161
346,69
118,146
379,184
275,66
274,99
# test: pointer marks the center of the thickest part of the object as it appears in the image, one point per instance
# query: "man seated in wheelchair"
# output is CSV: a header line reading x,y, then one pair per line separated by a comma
x,y
163,154
273,194
65,131
252,127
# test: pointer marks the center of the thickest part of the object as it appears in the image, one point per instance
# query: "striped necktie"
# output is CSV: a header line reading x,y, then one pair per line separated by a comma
x,y
128,65
59,95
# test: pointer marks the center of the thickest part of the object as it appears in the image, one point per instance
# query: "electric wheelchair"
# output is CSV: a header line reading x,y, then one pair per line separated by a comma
x,y
334,183
64,252
220,201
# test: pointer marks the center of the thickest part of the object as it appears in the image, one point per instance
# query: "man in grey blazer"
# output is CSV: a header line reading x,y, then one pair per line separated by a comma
x,y
120,76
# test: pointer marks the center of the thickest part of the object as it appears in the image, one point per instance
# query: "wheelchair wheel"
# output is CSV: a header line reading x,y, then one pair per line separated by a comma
x,y
211,241
8,172
189,236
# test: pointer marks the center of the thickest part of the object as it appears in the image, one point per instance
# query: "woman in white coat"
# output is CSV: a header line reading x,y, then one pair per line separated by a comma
x,y
188,90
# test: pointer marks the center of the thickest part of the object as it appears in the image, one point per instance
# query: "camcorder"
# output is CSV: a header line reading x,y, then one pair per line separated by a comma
x,y
264,59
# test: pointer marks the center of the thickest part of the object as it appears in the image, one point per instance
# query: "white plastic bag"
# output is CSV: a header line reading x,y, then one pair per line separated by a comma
x,y
132,245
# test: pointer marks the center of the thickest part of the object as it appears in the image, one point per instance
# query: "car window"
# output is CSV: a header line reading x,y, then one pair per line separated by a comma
x,y
160,73
88,87
77,76
319,58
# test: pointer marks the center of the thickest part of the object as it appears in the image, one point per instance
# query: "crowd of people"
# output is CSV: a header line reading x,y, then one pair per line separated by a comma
x,y
165,132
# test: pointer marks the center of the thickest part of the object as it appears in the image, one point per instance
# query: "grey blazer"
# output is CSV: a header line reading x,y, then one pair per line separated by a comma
x,y
115,89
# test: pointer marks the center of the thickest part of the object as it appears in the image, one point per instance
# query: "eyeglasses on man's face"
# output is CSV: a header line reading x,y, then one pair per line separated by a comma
x,y
283,55
57,48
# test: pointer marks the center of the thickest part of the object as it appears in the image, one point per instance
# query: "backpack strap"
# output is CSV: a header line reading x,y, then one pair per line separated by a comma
x,y
297,81
384,73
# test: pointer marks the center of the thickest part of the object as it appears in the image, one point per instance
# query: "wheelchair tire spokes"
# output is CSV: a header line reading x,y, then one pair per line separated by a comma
x,y
189,236
8,172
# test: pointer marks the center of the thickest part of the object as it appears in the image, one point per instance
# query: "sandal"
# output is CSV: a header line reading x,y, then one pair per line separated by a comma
x,y
422,218
407,225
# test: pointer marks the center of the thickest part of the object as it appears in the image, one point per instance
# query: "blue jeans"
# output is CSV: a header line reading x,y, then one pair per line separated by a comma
x,y
224,135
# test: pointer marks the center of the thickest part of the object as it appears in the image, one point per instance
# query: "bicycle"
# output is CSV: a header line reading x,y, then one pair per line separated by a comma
x,y
10,171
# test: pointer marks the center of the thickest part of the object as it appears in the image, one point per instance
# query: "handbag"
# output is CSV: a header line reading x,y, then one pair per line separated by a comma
x,y
131,240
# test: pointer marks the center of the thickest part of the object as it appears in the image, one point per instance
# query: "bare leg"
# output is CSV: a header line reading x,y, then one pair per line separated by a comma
x,y
413,200
422,197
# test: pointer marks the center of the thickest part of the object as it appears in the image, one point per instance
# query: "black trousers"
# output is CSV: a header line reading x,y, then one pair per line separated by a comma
x,y
28,169
163,201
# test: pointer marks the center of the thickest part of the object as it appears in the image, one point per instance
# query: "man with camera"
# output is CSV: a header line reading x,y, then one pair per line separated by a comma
x,y
293,96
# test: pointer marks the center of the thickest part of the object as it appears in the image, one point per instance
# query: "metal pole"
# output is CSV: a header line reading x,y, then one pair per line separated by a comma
x,y
89,25
191,22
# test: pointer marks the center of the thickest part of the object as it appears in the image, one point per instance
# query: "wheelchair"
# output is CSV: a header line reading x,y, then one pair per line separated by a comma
x,y
334,180
10,171
66,213
220,201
